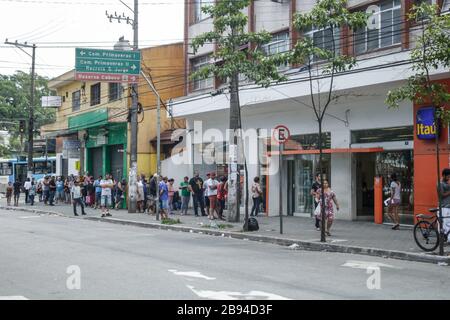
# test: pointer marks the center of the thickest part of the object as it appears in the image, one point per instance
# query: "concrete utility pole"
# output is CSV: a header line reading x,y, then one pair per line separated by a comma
x,y
132,181
158,139
31,107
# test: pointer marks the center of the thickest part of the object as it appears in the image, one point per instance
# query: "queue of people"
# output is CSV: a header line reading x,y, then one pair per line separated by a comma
x,y
209,195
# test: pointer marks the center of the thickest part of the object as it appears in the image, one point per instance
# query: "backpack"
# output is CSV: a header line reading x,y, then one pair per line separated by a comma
x,y
253,224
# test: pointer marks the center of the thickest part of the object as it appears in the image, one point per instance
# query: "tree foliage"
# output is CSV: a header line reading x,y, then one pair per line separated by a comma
x,y
432,51
238,51
15,92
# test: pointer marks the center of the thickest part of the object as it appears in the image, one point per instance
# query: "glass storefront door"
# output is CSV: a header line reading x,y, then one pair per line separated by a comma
x,y
301,171
383,164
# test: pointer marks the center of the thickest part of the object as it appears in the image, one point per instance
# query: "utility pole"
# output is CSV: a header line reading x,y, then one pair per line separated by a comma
x,y
132,183
31,107
158,139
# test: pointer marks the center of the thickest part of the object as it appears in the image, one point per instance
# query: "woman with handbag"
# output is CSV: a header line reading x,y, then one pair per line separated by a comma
x,y
330,197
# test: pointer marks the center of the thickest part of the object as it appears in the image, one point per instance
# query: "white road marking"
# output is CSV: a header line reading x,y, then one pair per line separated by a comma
x,y
235,295
338,240
13,298
192,274
29,217
367,264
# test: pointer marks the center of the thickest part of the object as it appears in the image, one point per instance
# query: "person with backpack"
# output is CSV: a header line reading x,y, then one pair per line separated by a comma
x,y
52,191
152,193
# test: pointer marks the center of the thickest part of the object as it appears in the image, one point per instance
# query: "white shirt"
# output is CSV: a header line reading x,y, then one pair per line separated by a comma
x,y
210,183
106,191
396,187
27,185
76,192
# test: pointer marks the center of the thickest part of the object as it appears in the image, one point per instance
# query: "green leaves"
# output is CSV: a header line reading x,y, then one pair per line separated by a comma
x,y
237,51
432,51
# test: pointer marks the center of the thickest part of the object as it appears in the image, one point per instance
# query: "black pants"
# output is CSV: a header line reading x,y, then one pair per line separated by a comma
x,y
51,197
255,208
198,199
26,196
317,220
80,202
31,199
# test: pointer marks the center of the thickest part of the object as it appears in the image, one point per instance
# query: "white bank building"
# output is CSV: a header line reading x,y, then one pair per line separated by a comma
x,y
363,138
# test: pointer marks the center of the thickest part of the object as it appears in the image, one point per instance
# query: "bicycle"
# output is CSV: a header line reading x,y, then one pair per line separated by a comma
x,y
427,231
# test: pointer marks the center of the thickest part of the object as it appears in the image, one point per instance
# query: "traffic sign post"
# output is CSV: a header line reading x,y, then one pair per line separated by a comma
x,y
281,135
107,65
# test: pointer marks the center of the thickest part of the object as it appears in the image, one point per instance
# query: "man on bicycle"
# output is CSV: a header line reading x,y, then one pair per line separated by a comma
x,y
444,190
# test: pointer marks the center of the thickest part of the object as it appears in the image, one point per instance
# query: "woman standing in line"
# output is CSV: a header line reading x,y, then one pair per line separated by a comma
x,y
394,204
256,196
171,190
330,197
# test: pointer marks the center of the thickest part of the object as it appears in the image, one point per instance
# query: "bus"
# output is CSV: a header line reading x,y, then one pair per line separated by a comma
x,y
12,169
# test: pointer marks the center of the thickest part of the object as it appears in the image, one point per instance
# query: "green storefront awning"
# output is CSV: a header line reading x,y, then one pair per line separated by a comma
x,y
89,119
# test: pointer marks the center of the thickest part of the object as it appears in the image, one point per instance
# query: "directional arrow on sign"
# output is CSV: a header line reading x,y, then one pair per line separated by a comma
x,y
133,67
82,53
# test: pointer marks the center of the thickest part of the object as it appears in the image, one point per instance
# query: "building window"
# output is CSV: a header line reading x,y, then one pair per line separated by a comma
x,y
76,98
197,64
404,133
278,44
446,7
308,141
95,94
386,32
323,39
199,14
115,91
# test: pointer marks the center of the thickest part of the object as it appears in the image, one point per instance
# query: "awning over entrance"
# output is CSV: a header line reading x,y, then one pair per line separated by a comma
x,y
169,137
336,150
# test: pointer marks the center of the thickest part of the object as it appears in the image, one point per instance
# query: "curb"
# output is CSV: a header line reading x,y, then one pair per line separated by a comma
x,y
298,244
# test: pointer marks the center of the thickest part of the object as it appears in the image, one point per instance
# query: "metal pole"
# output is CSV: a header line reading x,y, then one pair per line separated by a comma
x,y
31,118
158,152
134,125
280,165
158,138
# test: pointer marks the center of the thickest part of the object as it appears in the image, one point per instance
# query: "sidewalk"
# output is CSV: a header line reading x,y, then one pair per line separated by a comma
x,y
347,236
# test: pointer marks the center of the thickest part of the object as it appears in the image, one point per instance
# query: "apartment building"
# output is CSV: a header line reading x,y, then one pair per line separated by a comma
x,y
364,140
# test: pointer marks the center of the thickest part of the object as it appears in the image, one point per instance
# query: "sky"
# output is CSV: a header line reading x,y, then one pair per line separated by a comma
x,y
57,27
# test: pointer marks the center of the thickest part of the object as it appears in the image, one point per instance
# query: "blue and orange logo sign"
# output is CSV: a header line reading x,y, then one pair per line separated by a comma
x,y
425,123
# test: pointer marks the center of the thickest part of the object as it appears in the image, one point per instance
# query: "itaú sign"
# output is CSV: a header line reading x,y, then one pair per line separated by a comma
x,y
426,123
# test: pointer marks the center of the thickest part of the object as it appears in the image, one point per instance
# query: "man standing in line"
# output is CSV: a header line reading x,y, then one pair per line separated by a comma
x,y
59,190
17,186
185,195
316,186
211,189
196,187
52,190
106,185
205,192
98,192
46,189
27,186
76,198
164,198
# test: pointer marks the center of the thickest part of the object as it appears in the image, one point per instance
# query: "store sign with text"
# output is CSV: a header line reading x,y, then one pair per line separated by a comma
x,y
426,123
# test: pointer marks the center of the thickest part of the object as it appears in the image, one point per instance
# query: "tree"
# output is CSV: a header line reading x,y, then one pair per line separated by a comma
x,y
238,52
14,105
431,52
328,60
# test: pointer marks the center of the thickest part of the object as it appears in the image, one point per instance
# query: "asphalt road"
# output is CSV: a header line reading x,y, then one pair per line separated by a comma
x,y
50,257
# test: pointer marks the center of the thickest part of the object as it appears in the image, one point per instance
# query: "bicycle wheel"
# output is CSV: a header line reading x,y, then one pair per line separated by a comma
x,y
426,236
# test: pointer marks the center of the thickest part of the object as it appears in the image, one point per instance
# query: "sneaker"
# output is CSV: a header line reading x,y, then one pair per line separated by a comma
x,y
84,213
317,229
109,214
103,215
75,214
